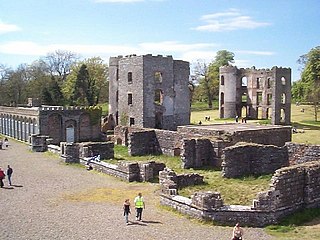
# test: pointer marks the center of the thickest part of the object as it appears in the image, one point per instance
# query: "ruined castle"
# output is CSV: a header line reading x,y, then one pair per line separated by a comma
x,y
255,93
149,91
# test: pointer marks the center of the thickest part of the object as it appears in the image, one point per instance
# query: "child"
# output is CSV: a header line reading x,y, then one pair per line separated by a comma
x,y
126,210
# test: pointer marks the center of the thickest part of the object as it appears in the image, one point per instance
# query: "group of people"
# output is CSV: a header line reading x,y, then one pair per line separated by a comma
x,y
3,175
139,206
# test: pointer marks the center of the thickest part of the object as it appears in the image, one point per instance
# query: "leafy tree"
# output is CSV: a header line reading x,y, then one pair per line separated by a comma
x,y
96,81
16,84
310,77
51,94
4,76
208,75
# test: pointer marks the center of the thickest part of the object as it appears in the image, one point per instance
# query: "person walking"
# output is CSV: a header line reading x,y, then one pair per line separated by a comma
x,y
237,232
126,210
9,173
2,176
139,205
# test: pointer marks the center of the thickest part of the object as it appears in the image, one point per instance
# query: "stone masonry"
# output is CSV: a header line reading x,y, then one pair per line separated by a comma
x,y
255,93
291,189
253,159
300,153
149,91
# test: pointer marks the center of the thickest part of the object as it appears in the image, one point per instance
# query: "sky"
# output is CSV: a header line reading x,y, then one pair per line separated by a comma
x,y
260,33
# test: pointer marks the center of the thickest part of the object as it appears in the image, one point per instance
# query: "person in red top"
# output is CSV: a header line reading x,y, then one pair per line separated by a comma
x,y
2,175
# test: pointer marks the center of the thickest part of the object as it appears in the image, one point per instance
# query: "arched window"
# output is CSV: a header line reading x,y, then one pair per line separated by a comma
x,y
244,81
222,80
283,80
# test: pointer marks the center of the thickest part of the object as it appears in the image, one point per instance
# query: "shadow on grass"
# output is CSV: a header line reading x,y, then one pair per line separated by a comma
x,y
301,126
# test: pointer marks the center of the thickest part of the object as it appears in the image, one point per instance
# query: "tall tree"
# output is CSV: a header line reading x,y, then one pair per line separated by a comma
x,y
4,76
96,81
310,77
59,64
208,75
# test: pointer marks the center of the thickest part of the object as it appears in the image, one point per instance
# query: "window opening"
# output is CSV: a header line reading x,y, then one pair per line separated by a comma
x,y
222,80
129,77
129,98
244,81
158,77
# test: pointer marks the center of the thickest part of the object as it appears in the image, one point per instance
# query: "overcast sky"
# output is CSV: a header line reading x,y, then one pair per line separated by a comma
x,y
260,33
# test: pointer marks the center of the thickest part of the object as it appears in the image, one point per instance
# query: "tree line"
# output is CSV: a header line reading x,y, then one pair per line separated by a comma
x,y
59,78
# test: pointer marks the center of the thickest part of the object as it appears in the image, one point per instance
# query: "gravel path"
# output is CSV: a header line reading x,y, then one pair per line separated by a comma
x,y
50,200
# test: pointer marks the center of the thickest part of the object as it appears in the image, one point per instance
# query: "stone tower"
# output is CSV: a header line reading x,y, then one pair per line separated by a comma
x,y
255,93
149,91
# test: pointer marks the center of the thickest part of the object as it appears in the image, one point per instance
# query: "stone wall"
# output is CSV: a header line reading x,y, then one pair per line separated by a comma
x,y
300,153
170,182
128,171
142,143
197,153
72,152
252,159
38,143
291,189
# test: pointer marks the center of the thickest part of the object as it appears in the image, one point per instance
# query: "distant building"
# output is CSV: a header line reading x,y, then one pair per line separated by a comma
x,y
149,91
255,93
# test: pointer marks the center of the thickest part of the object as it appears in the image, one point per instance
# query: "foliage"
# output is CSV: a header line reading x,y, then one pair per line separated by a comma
x,y
310,79
208,77
94,84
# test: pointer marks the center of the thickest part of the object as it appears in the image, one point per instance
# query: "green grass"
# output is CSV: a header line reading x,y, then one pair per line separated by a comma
x,y
300,225
230,189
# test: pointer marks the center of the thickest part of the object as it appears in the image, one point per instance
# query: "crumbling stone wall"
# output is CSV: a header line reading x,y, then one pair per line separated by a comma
x,y
300,153
291,189
253,159
38,143
142,143
72,152
170,182
197,153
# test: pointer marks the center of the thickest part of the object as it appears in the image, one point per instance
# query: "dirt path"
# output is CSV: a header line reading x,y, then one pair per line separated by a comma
x,y
51,200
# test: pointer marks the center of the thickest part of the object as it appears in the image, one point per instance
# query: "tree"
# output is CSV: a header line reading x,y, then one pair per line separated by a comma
x,y
58,64
96,81
208,75
16,84
4,76
310,77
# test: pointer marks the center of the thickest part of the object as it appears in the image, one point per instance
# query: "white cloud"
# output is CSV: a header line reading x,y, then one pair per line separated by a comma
x,y
261,53
228,21
4,28
184,51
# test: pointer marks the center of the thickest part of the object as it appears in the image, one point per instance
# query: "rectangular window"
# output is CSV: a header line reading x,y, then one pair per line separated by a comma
x,y
129,77
131,121
129,98
269,96
259,97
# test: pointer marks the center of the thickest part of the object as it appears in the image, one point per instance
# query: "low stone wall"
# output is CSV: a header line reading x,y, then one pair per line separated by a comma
x,y
253,159
38,143
128,171
291,189
170,182
300,153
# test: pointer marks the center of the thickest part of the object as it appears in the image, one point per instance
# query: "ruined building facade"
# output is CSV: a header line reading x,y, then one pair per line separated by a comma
x,y
149,91
255,93
60,124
